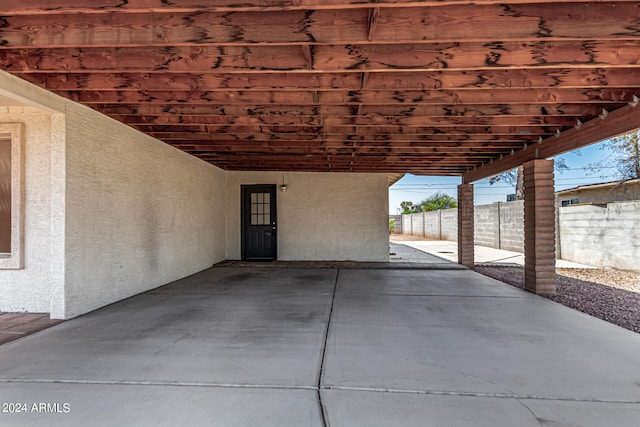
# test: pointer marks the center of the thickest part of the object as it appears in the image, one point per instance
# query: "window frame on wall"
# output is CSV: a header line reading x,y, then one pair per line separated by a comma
x,y
14,132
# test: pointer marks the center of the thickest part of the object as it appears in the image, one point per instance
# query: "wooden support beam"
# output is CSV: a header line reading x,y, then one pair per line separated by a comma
x,y
358,121
435,111
34,7
371,97
615,123
301,130
451,23
374,13
558,57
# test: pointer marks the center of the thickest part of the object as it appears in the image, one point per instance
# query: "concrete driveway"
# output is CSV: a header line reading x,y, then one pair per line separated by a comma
x,y
257,346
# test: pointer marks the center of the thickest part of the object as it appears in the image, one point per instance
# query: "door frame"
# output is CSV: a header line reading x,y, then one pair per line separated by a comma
x,y
245,217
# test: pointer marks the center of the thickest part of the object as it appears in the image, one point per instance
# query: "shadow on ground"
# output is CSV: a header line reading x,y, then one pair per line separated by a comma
x,y
617,306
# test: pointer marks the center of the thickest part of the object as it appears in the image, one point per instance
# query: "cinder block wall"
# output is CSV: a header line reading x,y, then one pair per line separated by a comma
x,y
432,225
487,225
602,236
512,226
450,224
606,236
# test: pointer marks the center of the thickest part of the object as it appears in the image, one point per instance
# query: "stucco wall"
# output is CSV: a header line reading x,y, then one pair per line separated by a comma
x,y
32,288
139,213
321,216
602,236
625,191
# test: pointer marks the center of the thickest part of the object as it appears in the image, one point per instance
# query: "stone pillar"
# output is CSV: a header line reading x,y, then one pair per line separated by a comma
x,y
465,225
539,228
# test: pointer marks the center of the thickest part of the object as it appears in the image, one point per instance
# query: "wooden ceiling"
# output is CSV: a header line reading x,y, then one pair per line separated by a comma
x,y
435,87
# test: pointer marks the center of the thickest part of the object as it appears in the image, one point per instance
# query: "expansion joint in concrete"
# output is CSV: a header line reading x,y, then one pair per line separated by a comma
x,y
323,408
478,394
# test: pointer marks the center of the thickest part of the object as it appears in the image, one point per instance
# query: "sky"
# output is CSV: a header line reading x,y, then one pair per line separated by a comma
x,y
417,188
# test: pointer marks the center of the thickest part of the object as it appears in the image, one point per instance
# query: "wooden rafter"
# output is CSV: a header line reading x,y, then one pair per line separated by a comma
x,y
424,86
612,124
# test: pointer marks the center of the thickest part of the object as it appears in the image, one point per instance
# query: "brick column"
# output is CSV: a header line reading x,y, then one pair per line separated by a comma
x,y
539,228
465,225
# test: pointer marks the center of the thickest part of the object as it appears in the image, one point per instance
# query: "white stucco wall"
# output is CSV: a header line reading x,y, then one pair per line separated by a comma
x,y
32,288
139,213
321,216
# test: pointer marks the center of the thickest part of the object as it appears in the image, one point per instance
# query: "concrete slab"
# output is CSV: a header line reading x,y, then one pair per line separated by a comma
x,y
376,409
248,346
240,326
400,253
154,405
513,344
483,255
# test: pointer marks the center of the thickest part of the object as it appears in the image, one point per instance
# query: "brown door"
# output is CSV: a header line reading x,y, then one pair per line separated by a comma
x,y
259,226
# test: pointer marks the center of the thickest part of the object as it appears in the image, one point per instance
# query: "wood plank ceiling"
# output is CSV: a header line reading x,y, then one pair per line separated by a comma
x,y
433,87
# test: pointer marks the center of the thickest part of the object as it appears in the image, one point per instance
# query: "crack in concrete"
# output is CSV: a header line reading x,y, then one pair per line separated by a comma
x,y
531,412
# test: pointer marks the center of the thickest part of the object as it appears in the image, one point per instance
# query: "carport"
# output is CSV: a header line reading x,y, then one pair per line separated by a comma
x,y
466,88
264,346
321,101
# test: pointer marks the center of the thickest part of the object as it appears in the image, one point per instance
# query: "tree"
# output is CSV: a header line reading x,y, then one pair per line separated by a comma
x,y
624,156
434,202
438,201
515,176
408,207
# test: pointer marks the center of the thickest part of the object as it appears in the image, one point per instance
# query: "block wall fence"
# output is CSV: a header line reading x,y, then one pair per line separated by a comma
x,y
599,235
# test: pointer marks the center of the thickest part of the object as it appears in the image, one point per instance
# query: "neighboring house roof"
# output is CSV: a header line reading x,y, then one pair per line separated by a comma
x,y
602,185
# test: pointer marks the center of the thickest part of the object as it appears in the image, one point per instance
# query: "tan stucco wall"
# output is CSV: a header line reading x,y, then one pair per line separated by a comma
x,y
321,216
139,213
31,288
597,195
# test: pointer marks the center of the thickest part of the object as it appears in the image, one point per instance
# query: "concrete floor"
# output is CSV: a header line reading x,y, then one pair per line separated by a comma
x,y
448,250
311,347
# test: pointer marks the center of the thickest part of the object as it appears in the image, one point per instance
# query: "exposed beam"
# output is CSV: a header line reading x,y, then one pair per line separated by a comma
x,y
362,121
328,82
454,23
372,97
34,7
301,130
445,140
469,110
362,149
427,57
615,123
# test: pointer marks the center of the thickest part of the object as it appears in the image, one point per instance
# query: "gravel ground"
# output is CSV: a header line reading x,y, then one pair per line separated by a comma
x,y
609,295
